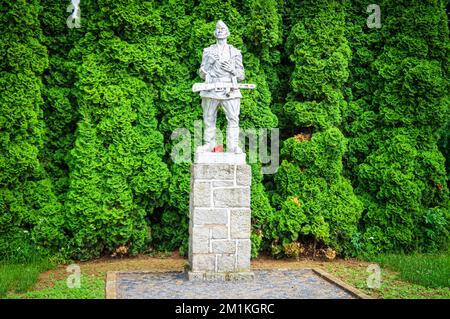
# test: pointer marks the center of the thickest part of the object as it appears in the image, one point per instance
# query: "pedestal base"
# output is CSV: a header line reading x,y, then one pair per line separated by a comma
x,y
220,221
217,276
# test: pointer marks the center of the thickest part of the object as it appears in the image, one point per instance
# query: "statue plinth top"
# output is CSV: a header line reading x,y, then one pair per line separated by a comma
x,y
219,158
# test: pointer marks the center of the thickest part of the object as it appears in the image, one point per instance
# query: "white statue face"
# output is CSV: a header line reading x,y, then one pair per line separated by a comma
x,y
221,31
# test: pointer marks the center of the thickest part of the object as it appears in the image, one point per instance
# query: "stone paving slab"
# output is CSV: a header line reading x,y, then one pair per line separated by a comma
x,y
268,284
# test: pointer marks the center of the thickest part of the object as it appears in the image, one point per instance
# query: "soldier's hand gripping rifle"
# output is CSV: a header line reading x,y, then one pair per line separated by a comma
x,y
219,86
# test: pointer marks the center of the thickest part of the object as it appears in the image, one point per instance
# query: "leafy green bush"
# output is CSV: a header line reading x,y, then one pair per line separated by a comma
x,y
86,117
314,202
398,106
27,201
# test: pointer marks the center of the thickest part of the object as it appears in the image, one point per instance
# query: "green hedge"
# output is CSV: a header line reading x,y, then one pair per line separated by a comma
x,y
396,114
314,202
87,116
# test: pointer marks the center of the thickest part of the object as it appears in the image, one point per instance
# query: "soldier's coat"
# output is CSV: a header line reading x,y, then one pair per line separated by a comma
x,y
212,56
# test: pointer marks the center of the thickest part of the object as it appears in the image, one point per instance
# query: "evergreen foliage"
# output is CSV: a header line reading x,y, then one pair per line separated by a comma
x,y
397,110
87,115
30,212
314,202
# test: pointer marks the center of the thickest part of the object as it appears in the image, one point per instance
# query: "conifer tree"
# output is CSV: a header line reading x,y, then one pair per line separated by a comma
x,y
397,169
315,205
30,215
117,175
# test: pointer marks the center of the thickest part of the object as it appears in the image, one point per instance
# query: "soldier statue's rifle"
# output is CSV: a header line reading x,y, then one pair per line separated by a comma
x,y
221,86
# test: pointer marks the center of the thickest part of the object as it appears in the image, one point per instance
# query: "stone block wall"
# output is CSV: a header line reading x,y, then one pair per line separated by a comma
x,y
220,222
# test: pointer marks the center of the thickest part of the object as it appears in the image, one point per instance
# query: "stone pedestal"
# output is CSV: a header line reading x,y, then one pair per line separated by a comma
x,y
220,219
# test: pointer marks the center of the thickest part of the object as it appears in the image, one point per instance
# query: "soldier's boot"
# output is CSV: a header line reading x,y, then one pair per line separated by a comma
x,y
233,140
210,141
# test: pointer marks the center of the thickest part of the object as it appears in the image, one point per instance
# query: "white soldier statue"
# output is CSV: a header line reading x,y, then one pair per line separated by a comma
x,y
221,69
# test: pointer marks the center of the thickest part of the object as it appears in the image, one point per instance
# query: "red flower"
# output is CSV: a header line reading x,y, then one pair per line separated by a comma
x,y
218,149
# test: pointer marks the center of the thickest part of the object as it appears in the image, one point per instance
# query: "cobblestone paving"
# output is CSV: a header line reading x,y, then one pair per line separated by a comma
x,y
268,284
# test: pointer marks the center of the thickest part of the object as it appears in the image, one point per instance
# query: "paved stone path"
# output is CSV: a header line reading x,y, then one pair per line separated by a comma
x,y
268,284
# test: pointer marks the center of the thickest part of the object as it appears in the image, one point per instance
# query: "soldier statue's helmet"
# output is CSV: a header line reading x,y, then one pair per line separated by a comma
x,y
221,30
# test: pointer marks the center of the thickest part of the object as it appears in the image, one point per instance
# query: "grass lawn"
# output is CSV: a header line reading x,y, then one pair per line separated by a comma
x,y
431,271
393,286
20,277
398,278
91,287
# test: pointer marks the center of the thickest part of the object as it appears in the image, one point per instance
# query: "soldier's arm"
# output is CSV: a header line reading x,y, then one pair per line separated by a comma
x,y
203,71
239,72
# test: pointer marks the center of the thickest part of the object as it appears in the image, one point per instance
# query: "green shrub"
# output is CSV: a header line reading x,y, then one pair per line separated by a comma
x,y
399,102
314,202
86,117
28,204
